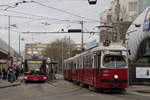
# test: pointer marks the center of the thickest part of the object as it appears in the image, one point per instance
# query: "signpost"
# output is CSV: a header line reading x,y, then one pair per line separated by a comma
x,y
143,72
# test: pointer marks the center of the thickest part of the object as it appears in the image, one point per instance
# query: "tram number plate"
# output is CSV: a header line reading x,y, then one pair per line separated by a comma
x,y
115,86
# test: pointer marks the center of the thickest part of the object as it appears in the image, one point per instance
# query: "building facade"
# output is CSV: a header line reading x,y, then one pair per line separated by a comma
x,y
128,13
35,49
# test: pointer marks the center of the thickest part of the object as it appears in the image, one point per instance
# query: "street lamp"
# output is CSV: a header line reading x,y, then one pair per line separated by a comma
x,y
20,39
9,37
91,2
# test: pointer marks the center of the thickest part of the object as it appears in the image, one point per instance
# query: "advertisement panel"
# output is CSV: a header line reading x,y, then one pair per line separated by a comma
x,y
146,25
142,72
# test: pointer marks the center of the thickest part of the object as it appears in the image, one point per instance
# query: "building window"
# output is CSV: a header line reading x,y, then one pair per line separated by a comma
x,y
109,18
132,6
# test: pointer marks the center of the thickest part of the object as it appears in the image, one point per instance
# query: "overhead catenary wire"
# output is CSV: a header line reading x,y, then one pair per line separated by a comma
x,y
42,17
55,32
29,14
22,17
57,9
45,17
63,11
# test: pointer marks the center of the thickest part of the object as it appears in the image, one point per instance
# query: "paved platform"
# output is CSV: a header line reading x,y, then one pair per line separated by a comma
x,y
5,83
143,90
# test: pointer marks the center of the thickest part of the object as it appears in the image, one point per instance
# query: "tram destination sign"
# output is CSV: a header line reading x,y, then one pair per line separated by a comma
x,y
91,45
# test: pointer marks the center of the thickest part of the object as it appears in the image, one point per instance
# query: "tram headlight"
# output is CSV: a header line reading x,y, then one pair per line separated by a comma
x,y
44,78
25,77
115,76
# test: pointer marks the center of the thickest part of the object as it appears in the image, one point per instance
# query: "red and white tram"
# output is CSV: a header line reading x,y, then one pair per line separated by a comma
x,y
101,67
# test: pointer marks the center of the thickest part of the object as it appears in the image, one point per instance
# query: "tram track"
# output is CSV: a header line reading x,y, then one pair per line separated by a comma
x,y
68,90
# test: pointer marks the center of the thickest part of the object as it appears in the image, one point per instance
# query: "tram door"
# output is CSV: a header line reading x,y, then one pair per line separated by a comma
x,y
96,69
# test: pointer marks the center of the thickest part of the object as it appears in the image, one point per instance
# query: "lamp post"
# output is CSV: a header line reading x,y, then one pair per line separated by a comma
x,y
62,49
118,20
20,39
9,37
19,44
82,34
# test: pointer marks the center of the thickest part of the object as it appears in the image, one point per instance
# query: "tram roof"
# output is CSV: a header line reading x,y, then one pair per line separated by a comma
x,y
114,46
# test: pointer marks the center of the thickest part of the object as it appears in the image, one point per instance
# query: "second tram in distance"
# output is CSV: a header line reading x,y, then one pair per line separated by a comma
x,y
103,67
35,69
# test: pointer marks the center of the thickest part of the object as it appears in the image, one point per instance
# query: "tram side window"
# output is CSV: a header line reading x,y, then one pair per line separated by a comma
x,y
95,61
70,65
87,62
67,64
90,61
99,61
84,62
80,63
73,65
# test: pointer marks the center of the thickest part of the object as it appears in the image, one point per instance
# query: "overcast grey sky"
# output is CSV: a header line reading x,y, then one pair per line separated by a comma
x,y
41,16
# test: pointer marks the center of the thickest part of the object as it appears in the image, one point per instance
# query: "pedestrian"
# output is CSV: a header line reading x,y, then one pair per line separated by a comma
x,y
4,73
0,74
22,71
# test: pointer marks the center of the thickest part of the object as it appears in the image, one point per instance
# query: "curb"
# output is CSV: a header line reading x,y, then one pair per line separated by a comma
x,y
11,85
17,84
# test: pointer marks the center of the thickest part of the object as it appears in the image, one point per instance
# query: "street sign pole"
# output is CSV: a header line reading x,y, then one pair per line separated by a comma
x,y
118,20
82,35
19,45
9,35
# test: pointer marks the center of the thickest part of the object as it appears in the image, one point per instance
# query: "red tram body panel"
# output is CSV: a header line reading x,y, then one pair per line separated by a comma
x,y
106,78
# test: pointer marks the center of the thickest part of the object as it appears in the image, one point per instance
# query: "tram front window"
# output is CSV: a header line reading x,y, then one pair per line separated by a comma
x,y
34,67
114,61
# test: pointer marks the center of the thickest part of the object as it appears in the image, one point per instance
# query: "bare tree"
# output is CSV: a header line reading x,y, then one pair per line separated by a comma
x,y
61,49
